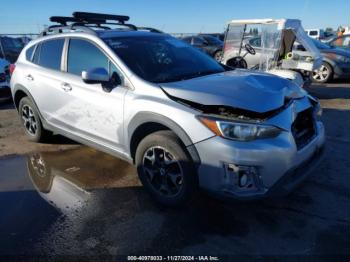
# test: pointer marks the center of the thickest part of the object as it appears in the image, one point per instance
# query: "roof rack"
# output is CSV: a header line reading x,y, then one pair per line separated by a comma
x,y
150,29
84,21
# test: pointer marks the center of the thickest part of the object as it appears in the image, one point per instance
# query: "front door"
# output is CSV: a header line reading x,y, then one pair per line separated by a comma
x,y
89,111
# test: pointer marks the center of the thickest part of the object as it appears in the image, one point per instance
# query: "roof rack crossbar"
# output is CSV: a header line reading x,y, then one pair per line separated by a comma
x,y
60,29
150,29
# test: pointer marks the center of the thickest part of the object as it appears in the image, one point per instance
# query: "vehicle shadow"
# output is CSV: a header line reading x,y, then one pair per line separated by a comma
x,y
60,140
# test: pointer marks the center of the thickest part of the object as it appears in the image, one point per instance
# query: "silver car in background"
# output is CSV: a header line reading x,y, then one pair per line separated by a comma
x,y
183,119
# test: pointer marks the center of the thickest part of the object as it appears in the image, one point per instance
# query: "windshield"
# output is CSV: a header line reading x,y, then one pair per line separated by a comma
x,y
266,38
162,58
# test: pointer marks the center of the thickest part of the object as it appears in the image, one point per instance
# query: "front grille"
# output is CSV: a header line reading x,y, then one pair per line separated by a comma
x,y
303,128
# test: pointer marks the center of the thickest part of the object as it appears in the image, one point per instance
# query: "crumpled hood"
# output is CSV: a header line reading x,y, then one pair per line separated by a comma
x,y
244,89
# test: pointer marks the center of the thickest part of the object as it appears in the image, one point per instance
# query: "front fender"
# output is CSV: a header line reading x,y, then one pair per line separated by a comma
x,y
151,117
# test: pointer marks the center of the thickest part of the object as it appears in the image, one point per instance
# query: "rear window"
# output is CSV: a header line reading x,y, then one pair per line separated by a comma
x,y
51,53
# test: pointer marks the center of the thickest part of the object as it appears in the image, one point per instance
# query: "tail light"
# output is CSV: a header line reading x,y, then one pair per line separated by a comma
x,y
12,68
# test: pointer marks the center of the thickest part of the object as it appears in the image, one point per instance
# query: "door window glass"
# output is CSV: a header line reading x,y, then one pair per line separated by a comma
x,y
83,55
50,54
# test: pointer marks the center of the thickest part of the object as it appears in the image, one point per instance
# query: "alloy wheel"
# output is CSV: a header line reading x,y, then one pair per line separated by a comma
x,y
29,121
163,171
321,74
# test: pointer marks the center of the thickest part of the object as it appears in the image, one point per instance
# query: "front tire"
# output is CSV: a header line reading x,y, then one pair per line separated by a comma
x,y
165,168
31,121
324,74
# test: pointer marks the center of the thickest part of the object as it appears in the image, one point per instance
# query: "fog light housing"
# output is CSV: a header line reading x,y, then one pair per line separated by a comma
x,y
242,178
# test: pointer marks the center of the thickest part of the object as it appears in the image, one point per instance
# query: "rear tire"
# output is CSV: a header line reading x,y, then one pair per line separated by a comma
x,y
324,74
165,168
30,119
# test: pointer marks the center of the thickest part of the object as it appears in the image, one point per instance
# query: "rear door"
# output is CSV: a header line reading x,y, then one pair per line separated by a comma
x,y
45,76
89,111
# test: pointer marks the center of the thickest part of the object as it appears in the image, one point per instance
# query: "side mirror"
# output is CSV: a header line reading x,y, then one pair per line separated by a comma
x,y
96,75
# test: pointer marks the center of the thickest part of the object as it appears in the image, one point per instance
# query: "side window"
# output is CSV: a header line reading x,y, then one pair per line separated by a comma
x,y
37,54
198,41
29,53
187,40
83,55
50,54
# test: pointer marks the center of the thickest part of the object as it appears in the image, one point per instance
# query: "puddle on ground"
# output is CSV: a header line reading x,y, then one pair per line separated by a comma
x,y
64,178
38,189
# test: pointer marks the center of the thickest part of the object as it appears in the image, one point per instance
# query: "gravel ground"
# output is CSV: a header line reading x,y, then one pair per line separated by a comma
x,y
78,201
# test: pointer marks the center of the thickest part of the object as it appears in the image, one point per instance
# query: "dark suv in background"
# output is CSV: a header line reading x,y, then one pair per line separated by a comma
x,y
10,48
209,44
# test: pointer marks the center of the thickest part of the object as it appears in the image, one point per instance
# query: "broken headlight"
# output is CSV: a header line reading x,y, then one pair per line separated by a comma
x,y
239,131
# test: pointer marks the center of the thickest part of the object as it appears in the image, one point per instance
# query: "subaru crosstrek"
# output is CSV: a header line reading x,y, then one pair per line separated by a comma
x,y
184,120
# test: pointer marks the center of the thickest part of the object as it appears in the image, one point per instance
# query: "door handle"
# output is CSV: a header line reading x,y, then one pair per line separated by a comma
x,y
66,87
29,77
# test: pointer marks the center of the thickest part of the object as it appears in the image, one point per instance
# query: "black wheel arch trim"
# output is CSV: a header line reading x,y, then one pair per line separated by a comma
x,y
26,91
330,62
150,117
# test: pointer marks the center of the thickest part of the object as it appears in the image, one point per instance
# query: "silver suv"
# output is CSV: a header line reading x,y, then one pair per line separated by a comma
x,y
184,120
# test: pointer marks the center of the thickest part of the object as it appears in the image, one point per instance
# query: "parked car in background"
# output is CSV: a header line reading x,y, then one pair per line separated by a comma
x,y
209,44
315,33
184,120
220,36
5,92
335,63
10,48
339,41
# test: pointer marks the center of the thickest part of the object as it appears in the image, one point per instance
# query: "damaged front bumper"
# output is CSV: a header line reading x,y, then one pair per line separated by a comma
x,y
263,167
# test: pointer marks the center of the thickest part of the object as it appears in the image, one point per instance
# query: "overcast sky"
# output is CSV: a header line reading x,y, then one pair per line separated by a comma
x,y
173,16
